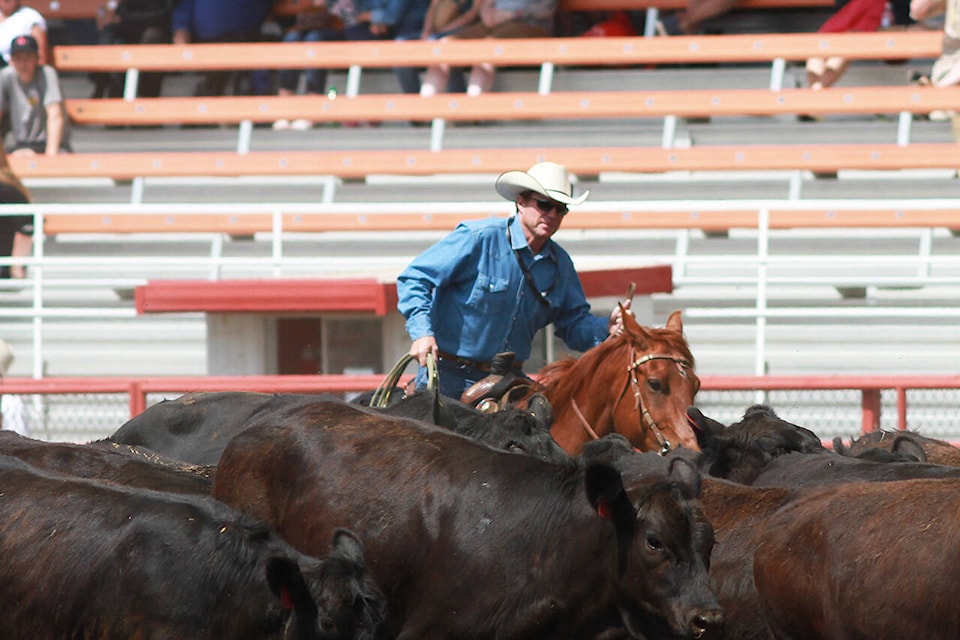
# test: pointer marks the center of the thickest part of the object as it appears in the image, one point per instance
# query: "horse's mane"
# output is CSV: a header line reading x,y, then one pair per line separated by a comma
x,y
560,378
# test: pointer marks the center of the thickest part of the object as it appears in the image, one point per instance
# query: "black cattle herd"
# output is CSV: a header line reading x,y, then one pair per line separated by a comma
x,y
247,515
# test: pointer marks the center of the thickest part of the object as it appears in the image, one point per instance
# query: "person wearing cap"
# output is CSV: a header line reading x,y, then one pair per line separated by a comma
x,y
30,93
13,413
491,284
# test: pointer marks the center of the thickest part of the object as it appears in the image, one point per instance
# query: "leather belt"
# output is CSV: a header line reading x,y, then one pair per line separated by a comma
x,y
479,366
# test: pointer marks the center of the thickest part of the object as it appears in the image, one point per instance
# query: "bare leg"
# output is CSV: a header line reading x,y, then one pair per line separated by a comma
x,y
481,79
435,80
824,72
22,247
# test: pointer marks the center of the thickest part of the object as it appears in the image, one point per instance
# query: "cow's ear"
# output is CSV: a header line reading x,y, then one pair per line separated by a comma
x,y
540,408
607,495
685,475
287,583
347,545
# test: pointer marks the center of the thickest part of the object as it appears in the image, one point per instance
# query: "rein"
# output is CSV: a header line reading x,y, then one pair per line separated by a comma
x,y
643,414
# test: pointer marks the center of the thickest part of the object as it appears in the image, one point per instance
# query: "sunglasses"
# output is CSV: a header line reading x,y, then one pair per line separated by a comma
x,y
548,206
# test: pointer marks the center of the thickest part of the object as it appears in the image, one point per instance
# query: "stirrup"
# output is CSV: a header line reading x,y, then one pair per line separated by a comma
x,y
381,395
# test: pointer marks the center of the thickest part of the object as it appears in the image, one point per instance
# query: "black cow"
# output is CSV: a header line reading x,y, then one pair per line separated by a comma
x,y
741,451
511,429
84,559
470,542
196,427
120,464
799,470
935,451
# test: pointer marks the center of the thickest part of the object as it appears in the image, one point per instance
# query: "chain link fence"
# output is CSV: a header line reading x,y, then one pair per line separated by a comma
x,y
83,417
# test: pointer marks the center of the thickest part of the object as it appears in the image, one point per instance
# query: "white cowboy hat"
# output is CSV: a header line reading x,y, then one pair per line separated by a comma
x,y
546,178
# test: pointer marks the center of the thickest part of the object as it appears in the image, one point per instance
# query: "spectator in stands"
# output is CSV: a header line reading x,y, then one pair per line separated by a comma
x,y
15,230
132,22
347,20
945,71
218,21
13,413
493,19
857,15
439,19
854,16
689,21
17,20
467,298
30,94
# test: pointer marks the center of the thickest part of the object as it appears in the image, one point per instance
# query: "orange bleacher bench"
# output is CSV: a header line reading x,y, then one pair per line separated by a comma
x,y
515,105
249,224
87,9
584,161
887,45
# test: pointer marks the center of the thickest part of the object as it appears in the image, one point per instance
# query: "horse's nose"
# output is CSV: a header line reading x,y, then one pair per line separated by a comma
x,y
707,623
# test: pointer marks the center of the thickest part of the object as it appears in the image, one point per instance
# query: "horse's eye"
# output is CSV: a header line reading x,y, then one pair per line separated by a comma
x,y
653,543
655,385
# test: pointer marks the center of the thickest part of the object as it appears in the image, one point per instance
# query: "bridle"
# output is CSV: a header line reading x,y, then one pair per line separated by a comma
x,y
643,414
644,417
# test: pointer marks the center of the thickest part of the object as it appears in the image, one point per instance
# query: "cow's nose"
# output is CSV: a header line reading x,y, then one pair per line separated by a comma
x,y
707,623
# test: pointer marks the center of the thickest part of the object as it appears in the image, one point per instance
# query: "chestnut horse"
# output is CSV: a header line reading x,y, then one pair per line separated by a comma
x,y
638,384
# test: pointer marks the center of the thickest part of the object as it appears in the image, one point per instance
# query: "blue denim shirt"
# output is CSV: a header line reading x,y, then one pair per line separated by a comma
x,y
468,291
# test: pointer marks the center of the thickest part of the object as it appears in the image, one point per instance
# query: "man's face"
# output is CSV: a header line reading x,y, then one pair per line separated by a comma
x,y
9,6
25,64
540,217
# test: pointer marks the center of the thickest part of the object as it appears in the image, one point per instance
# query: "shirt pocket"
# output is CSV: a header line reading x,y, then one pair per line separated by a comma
x,y
491,294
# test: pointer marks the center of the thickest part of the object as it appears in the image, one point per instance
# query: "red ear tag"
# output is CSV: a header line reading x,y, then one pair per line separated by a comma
x,y
286,601
603,510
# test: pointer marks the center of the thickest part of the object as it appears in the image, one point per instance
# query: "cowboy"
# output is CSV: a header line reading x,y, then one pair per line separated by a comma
x,y
490,285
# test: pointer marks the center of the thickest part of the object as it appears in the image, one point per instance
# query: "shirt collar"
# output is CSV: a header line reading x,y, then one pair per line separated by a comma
x,y
518,241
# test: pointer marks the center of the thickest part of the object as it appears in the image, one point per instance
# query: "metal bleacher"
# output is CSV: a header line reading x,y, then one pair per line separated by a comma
x,y
836,300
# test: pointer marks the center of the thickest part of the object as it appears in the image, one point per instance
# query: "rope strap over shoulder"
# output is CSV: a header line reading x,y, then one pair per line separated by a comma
x,y
381,396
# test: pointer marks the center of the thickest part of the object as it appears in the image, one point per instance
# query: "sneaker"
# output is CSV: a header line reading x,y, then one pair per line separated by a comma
x,y
301,124
281,124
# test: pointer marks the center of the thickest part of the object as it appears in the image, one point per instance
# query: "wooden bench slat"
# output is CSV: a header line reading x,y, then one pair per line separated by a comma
x,y
515,105
248,224
580,160
897,45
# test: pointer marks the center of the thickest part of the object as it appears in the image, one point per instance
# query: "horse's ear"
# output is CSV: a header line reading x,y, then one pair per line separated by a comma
x,y
632,328
675,322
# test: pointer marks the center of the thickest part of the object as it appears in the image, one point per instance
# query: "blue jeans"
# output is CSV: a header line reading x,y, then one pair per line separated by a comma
x,y
455,378
316,78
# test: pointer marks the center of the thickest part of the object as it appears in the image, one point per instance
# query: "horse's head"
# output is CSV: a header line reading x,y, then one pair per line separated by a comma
x,y
652,411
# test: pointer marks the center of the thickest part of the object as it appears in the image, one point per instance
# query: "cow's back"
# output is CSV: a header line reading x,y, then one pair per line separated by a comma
x,y
863,560
196,427
108,461
86,559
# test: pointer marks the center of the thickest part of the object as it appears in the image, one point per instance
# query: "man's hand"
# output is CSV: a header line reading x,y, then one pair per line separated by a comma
x,y
615,326
421,347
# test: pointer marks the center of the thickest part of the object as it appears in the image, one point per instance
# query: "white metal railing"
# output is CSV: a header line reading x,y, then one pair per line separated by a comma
x,y
765,273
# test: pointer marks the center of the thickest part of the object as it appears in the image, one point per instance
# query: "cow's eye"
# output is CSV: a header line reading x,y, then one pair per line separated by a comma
x,y
514,446
653,543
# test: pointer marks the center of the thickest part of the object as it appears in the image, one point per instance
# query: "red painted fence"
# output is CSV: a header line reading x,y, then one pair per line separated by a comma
x,y
138,388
